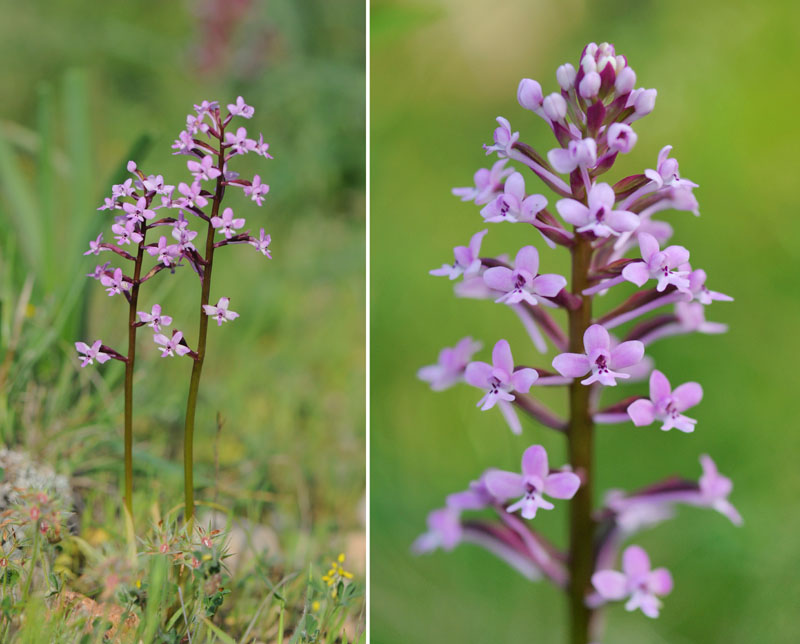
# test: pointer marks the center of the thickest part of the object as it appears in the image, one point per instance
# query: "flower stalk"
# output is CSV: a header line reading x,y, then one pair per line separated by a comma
x,y
580,441
202,334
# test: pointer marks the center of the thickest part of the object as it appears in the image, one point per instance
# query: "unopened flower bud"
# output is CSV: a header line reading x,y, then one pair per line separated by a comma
x,y
589,85
529,94
626,79
555,107
645,102
565,75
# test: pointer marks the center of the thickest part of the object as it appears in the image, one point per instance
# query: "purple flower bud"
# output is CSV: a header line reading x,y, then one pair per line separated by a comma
x,y
555,107
529,94
643,101
565,75
625,82
589,85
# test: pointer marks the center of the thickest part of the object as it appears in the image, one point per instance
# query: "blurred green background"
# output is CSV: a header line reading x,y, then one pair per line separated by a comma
x,y
87,86
726,79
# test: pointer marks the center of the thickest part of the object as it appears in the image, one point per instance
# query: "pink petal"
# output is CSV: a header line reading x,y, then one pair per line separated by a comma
x,y
687,395
515,186
534,462
527,259
502,358
573,212
532,205
660,582
571,365
623,221
659,386
637,273
499,278
548,285
677,255
562,485
561,160
601,194
82,347
504,485
642,412
626,354
522,379
102,357
475,242
635,561
596,337
648,245
477,374
610,584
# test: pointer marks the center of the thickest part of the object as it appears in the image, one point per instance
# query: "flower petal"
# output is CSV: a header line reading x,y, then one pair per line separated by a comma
x,y
660,582
534,462
635,561
562,485
596,337
571,365
477,374
626,354
623,221
548,285
522,379
610,584
527,259
659,386
648,245
504,485
637,273
687,395
499,278
642,412
502,358
573,212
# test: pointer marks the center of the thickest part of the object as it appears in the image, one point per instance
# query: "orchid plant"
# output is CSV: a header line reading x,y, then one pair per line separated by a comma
x,y
137,215
600,223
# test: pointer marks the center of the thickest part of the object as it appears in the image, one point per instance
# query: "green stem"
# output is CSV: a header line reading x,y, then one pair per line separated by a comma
x,y
197,368
581,457
34,558
129,364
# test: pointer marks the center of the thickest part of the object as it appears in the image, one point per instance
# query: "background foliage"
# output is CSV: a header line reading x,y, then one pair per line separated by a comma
x,y
88,86
441,73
